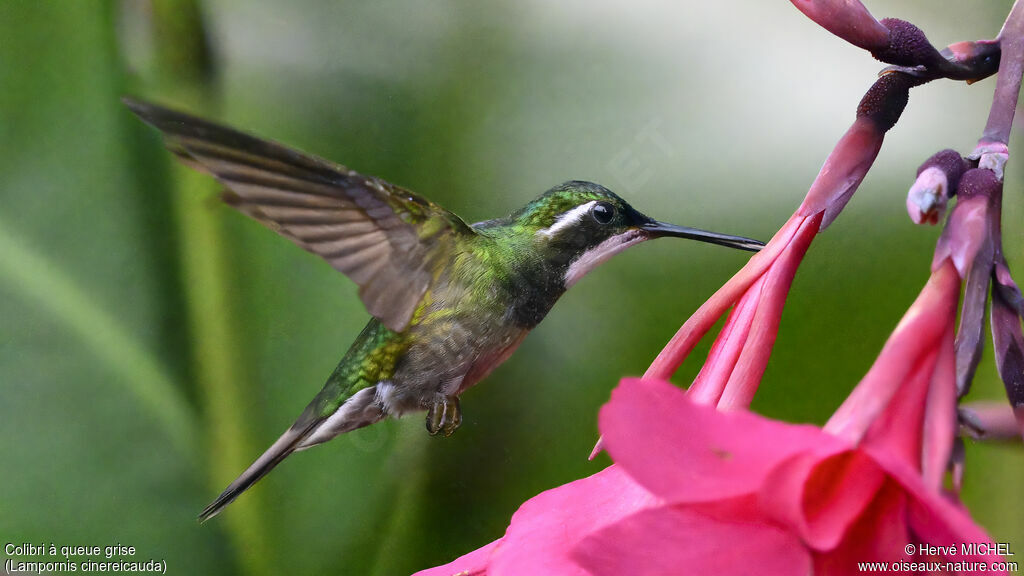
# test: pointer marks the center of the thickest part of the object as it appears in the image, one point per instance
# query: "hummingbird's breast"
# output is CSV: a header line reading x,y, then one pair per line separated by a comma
x,y
473,318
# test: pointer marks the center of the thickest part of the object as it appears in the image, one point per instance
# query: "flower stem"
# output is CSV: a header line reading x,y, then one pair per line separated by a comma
x,y
1011,67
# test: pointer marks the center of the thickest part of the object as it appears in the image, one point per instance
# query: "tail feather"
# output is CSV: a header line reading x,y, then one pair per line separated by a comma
x,y
277,452
362,409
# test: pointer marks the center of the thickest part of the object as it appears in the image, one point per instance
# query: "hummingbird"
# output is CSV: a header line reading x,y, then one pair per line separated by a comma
x,y
449,301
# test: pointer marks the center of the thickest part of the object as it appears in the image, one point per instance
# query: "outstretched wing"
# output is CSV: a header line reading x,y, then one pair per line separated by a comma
x,y
388,240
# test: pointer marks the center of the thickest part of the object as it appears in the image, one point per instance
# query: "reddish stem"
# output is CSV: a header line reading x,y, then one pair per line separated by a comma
x,y
1011,67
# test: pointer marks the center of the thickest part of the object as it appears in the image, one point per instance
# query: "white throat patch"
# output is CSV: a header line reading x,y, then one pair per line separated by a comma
x,y
598,254
567,218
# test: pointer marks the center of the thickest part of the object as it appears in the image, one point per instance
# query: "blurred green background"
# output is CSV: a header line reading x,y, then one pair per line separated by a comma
x,y
154,342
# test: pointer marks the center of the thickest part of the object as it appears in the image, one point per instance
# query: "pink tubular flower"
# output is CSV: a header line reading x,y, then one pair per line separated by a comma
x,y
757,293
798,495
867,487
706,491
544,530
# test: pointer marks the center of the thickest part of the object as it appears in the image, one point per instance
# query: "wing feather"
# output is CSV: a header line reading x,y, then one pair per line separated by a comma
x,y
364,227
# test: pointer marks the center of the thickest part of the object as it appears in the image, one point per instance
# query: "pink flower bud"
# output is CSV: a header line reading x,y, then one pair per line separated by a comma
x,y
937,180
926,201
848,19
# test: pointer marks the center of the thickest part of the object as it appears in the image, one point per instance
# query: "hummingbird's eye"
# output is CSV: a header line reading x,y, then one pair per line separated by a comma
x,y
603,212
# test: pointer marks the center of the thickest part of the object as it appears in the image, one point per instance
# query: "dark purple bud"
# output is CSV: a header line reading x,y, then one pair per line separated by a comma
x,y
911,53
885,100
951,164
908,46
978,181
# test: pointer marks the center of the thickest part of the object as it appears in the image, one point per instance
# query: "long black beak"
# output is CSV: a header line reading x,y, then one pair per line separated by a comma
x,y
658,229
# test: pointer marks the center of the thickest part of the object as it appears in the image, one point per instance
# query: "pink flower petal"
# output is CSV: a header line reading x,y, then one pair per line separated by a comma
x,y
707,387
843,171
547,527
685,452
916,337
965,234
849,20
940,523
821,493
940,418
723,539
878,535
900,425
753,360
933,518
472,564
680,346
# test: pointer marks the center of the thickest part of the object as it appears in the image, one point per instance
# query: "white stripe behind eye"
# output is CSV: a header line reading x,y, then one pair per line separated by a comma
x,y
567,218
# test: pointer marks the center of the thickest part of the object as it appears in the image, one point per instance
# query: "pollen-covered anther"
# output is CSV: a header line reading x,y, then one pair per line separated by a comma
x,y
926,200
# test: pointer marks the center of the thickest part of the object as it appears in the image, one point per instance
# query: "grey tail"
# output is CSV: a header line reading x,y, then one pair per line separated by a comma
x,y
361,409
277,452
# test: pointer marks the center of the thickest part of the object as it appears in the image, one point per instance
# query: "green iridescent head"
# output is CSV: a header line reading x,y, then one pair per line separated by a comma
x,y
581,224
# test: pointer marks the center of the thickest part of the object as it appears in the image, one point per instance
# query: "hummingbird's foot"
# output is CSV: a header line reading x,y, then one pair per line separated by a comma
x,y
444,415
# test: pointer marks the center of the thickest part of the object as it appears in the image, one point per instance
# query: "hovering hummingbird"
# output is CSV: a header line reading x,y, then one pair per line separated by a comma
x,y
450,301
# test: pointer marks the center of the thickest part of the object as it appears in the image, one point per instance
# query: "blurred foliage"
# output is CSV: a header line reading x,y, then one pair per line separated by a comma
x,y
154,341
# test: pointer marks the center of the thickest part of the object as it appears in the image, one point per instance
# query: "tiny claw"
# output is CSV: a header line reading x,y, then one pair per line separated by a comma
x,y
444,415
434,416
